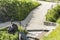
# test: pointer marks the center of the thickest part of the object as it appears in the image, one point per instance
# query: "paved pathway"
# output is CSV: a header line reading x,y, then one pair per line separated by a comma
x,y
38,18
6,24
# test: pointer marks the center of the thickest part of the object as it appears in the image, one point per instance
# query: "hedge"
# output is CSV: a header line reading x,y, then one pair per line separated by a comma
x,y
53,14
16,9
4,35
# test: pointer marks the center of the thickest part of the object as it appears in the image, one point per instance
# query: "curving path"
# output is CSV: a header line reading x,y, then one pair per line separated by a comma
x,y
38,18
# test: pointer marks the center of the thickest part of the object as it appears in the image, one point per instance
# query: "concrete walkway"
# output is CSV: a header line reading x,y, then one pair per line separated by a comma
x,y
38,18
6,24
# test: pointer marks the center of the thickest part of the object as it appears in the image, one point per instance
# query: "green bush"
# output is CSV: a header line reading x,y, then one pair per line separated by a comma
x,y
58,21
53,14
16,9
52,0
4,35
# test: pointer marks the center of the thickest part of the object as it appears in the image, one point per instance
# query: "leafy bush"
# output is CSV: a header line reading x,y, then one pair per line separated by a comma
x,y
4,35
16,9
58,21
21,29
53,14
52,0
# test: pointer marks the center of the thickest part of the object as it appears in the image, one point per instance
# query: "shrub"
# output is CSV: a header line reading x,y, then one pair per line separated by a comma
x,y
52,0
58,21
16,9
53,14
4,35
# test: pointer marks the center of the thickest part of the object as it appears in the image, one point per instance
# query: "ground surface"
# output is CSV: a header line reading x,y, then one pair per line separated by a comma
x,y
35,20
38,16
54,35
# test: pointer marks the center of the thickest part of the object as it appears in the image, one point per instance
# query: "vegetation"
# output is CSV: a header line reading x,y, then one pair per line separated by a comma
x,y
5,35
52,0
16,9
54,35
53,14
58,21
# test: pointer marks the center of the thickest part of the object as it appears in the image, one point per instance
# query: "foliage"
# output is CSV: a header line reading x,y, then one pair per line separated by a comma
x,y
52,0
54,35
53,14
58,21
16,9
21,29
4,35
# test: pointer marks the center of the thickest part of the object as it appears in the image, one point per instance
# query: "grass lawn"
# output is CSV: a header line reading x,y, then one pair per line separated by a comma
x,y
54,35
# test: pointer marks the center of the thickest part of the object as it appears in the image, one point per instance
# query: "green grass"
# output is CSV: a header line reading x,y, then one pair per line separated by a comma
x,y
54,35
